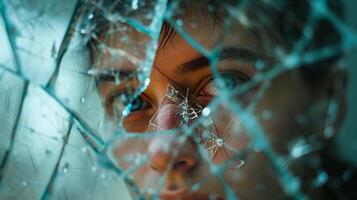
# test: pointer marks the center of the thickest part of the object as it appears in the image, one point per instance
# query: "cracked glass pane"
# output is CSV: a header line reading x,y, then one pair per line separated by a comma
x,y
80,175
177,99
6,58
37,35
36,146
12,90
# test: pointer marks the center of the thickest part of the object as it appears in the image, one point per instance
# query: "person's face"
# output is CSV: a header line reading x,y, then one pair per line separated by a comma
x,y
181,146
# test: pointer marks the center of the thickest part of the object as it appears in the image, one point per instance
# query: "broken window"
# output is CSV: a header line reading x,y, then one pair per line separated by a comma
x,y
176,99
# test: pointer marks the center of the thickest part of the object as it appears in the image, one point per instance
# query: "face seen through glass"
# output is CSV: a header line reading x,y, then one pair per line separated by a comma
x,y
185,163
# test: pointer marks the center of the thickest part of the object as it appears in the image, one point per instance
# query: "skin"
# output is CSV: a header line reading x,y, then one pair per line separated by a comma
x,y
178,160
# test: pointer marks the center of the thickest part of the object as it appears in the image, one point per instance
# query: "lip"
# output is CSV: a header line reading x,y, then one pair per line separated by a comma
x,y
183,194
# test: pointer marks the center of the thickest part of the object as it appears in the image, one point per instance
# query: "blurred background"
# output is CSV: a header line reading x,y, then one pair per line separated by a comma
x,y
348,135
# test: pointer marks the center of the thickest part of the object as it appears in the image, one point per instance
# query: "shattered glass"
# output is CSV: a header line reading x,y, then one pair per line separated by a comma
x,y
177,99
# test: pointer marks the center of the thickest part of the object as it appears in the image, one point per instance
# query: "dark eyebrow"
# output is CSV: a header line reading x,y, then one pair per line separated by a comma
x,y
112,74
242,54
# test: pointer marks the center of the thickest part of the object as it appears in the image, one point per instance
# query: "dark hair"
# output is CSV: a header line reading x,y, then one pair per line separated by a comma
x,y
290,19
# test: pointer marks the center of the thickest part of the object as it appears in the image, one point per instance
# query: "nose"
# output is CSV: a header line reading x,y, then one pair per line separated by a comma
x,y
167,152
171,151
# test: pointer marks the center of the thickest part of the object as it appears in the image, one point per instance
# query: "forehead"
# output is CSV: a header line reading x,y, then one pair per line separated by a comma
x,y
200,35
194,33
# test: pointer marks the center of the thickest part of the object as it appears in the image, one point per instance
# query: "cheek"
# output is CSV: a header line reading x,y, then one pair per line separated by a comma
x,y
279,108
130,156
138,123
146,178
227,137
130,152
255,180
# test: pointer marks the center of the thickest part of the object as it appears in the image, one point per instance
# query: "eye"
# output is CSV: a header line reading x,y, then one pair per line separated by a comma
x,y
230,79
138,104
121,100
